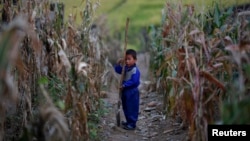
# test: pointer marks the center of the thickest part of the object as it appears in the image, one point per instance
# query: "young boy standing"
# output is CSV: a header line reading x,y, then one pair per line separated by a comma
x,y
130,93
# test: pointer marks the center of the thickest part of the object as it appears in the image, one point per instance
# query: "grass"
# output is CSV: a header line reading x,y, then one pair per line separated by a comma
x,y
142,13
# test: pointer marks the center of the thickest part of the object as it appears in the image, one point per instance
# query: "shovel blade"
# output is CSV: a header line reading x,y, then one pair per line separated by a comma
x,y
118,119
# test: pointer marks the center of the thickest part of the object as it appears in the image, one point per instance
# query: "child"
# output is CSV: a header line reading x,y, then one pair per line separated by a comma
x,y
130,93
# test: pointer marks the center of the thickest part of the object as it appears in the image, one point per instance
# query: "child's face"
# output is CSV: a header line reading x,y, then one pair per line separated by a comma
x,y
130,61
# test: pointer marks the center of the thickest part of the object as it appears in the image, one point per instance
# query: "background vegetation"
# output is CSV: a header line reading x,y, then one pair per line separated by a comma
x,y
142,14
50,66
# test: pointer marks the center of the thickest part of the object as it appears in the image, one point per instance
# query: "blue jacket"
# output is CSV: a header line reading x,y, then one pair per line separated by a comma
x,y
131,78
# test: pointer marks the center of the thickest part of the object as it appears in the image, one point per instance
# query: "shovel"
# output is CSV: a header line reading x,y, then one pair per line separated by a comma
x,y
118,113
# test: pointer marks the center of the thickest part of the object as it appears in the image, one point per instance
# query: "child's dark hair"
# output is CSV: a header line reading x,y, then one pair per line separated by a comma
x,y
132,53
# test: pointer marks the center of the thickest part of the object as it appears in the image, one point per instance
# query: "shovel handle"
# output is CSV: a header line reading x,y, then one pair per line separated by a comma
x,y
124,58
118,117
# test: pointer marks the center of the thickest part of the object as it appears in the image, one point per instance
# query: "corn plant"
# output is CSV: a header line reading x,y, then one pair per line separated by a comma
x,y
50,72
236,103
193,65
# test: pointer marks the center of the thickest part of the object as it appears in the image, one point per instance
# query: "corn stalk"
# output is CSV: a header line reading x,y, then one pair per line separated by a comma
x,y
50,72
193,66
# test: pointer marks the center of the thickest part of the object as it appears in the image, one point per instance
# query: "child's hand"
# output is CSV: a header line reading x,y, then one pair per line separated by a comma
x,y
121,87
120,61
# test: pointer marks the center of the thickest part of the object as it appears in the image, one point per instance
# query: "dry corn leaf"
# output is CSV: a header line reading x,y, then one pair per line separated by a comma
x,y
212,79
83,68
64,59
228,41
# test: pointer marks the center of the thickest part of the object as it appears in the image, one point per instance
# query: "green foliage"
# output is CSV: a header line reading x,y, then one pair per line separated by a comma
x,y
156,47
59,17
142,14
94,120
4,50
236,112
236,106
56,88
216,18
139,10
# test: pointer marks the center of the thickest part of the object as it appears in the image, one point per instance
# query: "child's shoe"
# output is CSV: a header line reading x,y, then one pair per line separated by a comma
x,y
128,127
124,123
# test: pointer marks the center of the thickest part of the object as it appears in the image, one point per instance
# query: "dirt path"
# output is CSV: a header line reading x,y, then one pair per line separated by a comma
x,y
153,125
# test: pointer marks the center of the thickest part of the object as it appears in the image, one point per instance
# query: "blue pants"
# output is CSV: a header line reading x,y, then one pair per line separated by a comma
x,y
130,104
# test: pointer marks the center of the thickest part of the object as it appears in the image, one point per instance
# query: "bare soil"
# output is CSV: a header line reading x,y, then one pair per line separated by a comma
x,y
153,124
